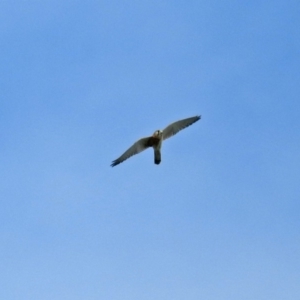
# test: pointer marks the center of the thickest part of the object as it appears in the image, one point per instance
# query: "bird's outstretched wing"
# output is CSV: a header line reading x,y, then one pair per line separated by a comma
x,y
173,128
136,148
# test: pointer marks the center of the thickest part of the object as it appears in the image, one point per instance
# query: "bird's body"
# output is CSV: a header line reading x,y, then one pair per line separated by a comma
x,y
155,141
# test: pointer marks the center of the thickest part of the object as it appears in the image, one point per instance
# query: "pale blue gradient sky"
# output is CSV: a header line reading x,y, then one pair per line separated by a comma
x,y
218,218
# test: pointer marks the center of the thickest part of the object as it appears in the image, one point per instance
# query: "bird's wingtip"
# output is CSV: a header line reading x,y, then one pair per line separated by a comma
x,y
114,163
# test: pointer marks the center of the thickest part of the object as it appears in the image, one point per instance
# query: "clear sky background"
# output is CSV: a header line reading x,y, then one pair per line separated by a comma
x,y
81,81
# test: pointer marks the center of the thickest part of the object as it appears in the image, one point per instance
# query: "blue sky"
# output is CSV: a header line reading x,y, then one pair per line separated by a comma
x,y
218,218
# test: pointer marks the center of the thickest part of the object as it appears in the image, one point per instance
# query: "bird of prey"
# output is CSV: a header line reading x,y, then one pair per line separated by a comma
x,y
155,141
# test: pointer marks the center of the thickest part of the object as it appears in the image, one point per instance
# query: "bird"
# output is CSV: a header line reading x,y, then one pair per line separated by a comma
x,y
155,141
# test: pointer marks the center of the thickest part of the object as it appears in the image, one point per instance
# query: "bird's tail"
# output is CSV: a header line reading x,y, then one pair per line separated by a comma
x,y
157,156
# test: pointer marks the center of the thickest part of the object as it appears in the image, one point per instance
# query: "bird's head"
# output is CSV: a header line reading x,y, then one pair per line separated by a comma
x,y
157,134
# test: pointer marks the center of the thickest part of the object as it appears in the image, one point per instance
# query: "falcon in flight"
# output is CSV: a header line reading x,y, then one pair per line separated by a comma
x,y
155,141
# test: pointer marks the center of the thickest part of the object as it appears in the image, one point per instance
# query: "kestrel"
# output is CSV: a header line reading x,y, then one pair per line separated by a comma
x,y
155,141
